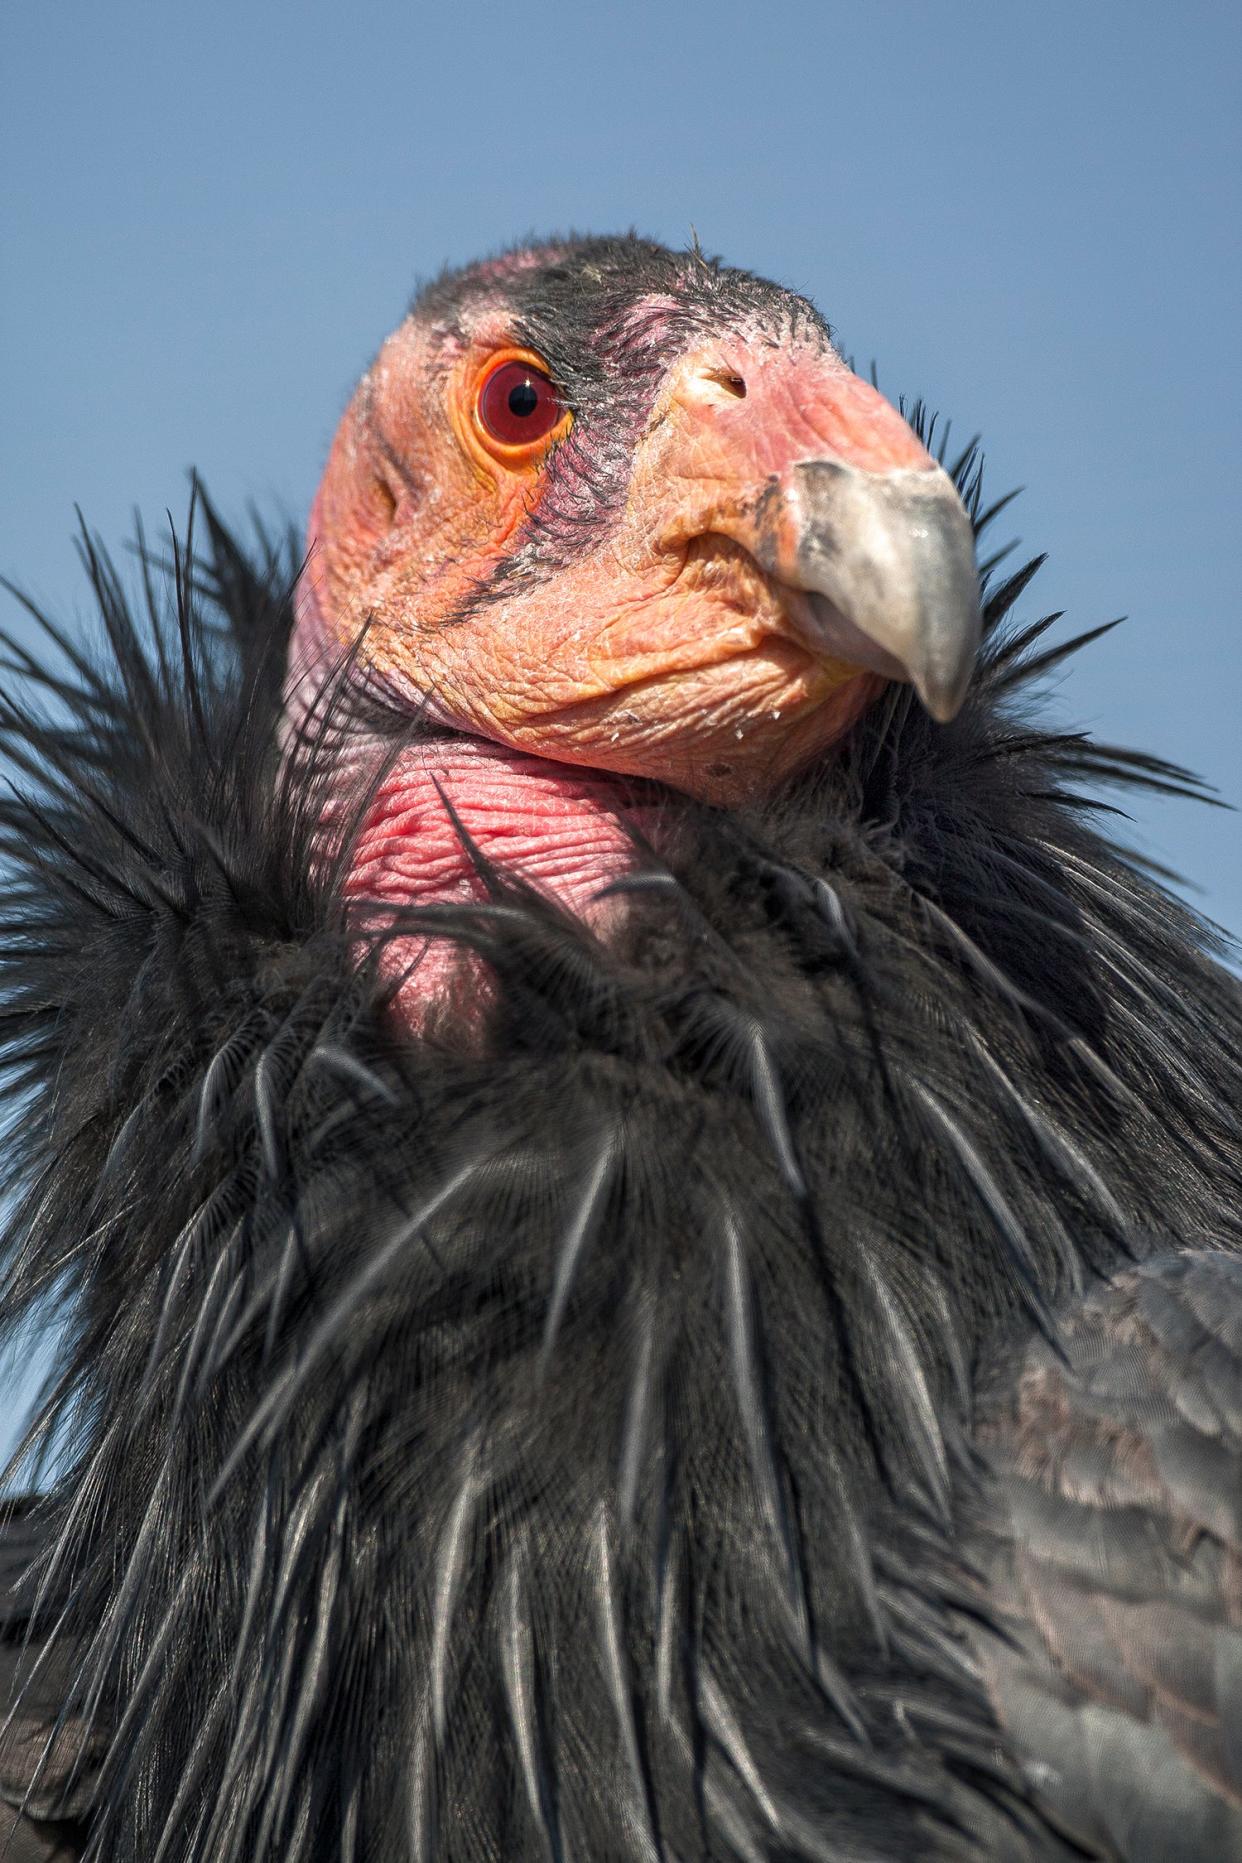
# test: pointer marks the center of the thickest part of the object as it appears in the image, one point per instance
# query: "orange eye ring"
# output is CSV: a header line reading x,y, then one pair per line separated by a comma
x,y
517,411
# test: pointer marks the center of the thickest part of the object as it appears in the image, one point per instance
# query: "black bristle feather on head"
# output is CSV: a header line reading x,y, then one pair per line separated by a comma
x,y
552,1448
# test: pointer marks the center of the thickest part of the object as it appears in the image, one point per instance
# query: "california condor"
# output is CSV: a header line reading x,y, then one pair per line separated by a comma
x,y
646,1210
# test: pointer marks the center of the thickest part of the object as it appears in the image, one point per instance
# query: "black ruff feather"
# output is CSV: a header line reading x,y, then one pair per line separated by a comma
x,y
554,1448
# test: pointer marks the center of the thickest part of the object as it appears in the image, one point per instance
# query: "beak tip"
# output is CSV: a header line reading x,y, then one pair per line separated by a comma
x,y
943,707
943,698
943,663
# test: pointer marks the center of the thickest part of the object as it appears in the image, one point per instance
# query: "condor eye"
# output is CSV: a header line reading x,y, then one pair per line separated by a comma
x,y
518,407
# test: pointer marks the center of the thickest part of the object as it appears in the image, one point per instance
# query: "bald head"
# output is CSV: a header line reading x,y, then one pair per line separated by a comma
x,y
626,508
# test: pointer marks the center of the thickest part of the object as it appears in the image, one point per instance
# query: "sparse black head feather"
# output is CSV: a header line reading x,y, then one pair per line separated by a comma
x,y
607,315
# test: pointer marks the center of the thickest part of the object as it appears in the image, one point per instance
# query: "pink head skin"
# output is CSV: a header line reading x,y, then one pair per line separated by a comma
x,y
703,561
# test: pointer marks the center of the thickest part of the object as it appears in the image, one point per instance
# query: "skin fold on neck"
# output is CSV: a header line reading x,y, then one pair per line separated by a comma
x,y
448,801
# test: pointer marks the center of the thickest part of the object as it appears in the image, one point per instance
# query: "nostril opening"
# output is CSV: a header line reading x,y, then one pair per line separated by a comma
x,y
728,379
386,503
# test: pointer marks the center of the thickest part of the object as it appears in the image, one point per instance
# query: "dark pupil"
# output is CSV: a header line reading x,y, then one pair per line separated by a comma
x,y
523,400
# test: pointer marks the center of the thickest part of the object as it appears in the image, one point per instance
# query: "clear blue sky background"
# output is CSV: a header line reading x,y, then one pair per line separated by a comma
x,y
1028,214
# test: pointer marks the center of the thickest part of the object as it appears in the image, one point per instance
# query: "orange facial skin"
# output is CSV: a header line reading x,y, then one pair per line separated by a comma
x,y
663,648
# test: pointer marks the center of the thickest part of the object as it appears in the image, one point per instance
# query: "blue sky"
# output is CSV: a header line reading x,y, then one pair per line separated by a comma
x,y
209,217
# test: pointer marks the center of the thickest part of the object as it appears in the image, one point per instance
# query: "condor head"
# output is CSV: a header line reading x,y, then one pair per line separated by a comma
x,y
603,510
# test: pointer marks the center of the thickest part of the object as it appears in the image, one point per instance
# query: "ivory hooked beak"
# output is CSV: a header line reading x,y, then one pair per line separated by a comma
x,y
885,562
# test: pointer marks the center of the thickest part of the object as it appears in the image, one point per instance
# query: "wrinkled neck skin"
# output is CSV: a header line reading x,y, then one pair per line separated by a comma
x,y
441,809
448,805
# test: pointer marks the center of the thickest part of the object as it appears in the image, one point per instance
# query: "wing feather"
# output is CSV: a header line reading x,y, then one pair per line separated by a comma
x,y
1113,1547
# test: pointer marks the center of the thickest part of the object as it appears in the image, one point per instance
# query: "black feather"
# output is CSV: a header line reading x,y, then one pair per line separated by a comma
x,y
554,1448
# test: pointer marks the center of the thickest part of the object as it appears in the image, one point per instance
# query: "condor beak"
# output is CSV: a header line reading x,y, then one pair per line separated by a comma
x,y
827,487
880,568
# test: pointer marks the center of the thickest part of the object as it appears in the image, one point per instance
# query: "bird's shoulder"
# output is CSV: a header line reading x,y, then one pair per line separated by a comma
x,y
48,1761
1110,1540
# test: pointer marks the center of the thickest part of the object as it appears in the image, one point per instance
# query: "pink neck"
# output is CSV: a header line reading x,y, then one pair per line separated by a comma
x,y
559,828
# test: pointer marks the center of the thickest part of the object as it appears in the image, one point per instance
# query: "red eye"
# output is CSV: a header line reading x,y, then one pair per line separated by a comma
x,y
518,406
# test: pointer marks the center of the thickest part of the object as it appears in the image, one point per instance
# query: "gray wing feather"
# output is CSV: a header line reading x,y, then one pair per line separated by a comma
x,y
1111,1544
45,1776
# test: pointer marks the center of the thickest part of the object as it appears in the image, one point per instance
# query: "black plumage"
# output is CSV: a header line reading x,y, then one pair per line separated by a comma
x,y
709,1417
